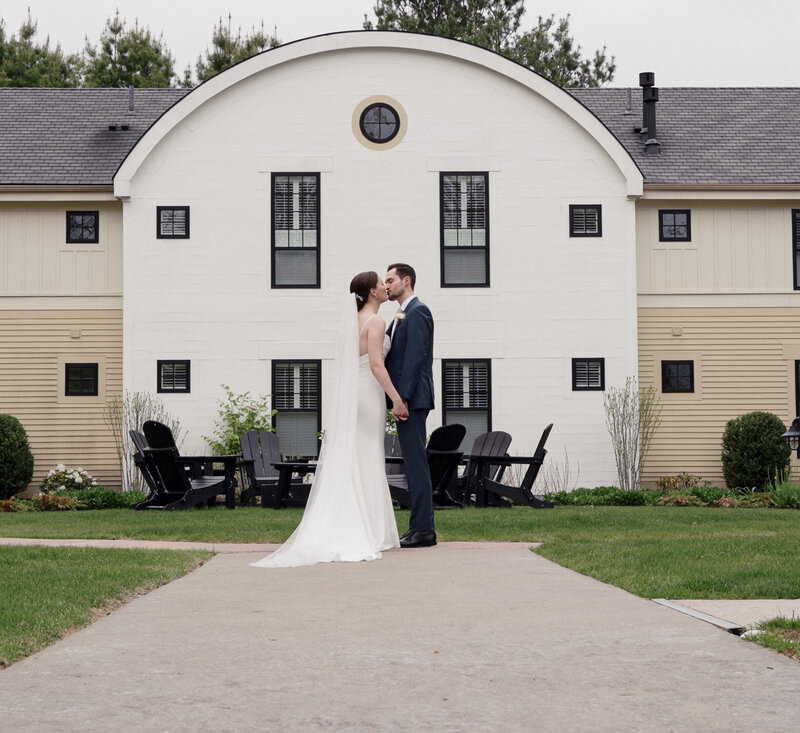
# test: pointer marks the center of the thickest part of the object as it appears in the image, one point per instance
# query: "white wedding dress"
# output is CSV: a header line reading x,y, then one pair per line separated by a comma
x,y
349,515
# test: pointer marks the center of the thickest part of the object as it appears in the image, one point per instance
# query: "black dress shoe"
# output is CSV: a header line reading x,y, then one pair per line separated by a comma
x,y
418,539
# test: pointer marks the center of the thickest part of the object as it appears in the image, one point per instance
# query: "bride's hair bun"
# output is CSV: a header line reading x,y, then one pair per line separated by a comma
x,y
361,284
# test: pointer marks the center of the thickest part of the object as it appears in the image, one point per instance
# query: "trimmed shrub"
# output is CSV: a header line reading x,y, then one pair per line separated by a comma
x,y
16,459
754,452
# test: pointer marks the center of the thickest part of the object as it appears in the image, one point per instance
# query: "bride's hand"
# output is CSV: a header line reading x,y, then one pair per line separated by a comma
x,y
400,410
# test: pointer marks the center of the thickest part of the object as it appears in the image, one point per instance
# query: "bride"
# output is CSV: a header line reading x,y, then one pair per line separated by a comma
x,y
349,514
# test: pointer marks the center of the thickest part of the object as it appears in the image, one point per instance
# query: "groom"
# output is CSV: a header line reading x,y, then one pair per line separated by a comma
x,y
410,366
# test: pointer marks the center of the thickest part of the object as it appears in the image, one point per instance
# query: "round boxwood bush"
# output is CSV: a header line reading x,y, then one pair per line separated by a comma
x,y
16,459
754,452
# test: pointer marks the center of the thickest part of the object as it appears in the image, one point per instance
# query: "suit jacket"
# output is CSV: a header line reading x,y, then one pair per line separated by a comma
x,y
410,360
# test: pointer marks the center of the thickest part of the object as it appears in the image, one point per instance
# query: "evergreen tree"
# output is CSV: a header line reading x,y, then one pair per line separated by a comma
x,y
227,49
548,48
128,57
25,63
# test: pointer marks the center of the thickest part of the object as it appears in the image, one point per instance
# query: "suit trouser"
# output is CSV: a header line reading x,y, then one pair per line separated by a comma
x,y
412,434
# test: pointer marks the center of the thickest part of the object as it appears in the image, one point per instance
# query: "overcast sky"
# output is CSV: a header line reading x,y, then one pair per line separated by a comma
x,y
685,42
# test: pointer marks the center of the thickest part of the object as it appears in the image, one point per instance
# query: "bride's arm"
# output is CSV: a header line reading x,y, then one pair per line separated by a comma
x,y
375,335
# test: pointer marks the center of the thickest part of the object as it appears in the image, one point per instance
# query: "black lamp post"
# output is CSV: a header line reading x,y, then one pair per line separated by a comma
x,y
792,436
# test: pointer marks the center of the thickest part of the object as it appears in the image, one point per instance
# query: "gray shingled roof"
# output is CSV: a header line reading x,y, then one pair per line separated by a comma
x,y
708,136
61,136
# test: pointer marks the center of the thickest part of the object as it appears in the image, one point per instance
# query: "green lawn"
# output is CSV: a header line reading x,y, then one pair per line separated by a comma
x,y
655,552
46,592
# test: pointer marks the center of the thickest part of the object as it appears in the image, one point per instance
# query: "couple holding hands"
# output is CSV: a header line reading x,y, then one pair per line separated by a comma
x,y
349,515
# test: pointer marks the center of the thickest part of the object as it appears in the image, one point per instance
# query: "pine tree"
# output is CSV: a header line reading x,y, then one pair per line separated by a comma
x,y
128,57
26,63
548,48
227,49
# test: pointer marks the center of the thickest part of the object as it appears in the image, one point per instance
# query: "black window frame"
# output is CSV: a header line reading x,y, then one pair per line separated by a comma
x,y
93,380
449,414
573,208
316,248
362,123
796,248
80,239
172,390
588,387
662,226
277,404
444,248
797,387
669,384
159,211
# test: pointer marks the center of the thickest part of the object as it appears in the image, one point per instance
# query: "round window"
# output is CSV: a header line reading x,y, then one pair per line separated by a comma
x,y
379,123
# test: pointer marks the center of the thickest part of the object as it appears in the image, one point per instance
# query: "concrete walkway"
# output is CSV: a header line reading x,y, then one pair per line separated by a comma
x,y
460,637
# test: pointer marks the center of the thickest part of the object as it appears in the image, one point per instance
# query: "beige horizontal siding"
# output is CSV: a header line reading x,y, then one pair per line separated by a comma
x,y
33,348
743,361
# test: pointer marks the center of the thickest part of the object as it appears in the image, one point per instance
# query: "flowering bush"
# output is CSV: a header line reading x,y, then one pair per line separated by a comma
x,y
62,478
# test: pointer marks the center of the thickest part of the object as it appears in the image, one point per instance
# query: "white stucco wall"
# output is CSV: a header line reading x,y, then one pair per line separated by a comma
x,y
551,298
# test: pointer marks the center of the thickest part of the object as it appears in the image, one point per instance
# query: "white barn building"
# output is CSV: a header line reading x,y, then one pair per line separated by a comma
x,y
285,198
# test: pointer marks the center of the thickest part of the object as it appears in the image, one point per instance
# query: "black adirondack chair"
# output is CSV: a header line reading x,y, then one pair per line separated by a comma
x,y
260,449
489,490
443,459
182,481
489,445
140,443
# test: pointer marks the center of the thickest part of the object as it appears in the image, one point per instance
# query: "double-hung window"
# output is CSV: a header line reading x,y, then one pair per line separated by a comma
x,y
464,229
296,397
295,230
468,396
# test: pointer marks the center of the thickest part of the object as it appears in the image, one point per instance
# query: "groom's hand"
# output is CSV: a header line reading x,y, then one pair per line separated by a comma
x,y
400,410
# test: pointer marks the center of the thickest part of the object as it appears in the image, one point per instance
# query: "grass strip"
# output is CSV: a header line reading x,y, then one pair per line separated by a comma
x,y
779,634
48,592
652,551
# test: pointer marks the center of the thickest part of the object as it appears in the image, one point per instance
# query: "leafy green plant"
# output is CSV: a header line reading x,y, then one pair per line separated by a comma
x,y
604,496
754,452
238,414
16,459
97,497
785,495
61,478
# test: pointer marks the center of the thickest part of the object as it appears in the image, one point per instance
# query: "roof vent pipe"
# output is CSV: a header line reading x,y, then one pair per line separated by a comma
x,y
649,98
130,98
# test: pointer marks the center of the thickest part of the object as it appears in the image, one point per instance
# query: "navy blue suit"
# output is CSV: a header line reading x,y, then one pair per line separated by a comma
x,y
410,366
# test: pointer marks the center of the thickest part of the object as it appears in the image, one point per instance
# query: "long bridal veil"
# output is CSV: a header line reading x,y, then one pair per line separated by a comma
x,y
335,525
